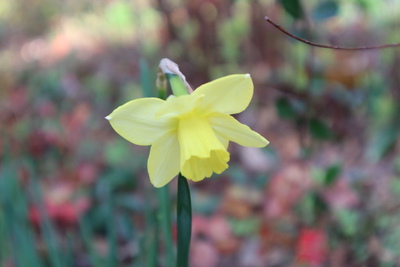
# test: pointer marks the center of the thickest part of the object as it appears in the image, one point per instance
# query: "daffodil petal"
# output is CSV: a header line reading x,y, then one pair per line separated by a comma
x,y
135,121
163,164
178,105
230,94
229,128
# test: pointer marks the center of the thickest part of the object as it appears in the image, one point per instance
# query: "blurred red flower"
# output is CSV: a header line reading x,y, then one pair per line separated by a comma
x,y
311,247
66,214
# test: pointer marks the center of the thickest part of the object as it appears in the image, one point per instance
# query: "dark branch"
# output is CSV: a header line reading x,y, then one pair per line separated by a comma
x,y
329,46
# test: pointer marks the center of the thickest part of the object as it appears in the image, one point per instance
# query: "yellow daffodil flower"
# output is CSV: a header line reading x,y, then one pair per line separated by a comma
x,y
189,133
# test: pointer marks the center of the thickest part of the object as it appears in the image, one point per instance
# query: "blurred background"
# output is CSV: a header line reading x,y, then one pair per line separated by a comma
x,y
325,192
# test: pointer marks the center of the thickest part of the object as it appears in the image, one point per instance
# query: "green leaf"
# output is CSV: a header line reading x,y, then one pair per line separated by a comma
x,y
205,203
49,231
112,259
164,218
320,205
119,15
395,187
397,164
150,238
86,231
293,7
117,152
332,174
17,238
245,227
383,140
311,207
120,179
145,80
285,108
319,130
348,221
325,10
184,221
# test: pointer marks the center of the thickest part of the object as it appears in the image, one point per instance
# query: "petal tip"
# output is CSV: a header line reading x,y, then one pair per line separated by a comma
x,y
157,185
107,118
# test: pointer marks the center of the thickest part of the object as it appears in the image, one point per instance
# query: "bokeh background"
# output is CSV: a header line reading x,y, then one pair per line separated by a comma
x,y
325,192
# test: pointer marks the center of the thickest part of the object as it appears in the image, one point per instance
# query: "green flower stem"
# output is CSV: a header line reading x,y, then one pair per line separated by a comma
x,y
184,220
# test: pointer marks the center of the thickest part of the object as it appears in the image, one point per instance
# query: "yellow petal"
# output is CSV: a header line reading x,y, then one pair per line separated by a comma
x,y
178,105
135,121
163,164
224,142
229,128
201,151
230,94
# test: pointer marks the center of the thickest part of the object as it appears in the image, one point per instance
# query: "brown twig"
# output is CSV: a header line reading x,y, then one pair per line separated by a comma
x,y
329,46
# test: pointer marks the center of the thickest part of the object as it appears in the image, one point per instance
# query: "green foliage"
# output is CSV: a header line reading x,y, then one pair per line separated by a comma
x,y
311,208
205,204
245,227
397,164
145,80
382,142
348,221
15,226
325,10
326,176
293,7
332,174
319,130
119,15
285,108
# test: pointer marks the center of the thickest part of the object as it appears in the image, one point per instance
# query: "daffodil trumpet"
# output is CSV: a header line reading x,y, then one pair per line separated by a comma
x,y
189,133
